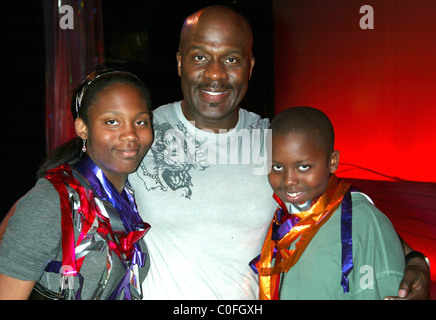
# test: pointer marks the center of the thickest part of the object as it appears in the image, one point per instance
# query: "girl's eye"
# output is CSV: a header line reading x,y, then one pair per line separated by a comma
x,y
112,122
277,167
142,123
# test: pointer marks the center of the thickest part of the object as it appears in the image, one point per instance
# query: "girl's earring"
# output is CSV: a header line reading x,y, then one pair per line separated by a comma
x,y
84,146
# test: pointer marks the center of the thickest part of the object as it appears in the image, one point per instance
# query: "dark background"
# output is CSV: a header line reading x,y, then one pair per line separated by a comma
x,y
140,35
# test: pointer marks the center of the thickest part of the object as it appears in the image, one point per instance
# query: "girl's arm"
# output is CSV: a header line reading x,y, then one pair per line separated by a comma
x,y
14,289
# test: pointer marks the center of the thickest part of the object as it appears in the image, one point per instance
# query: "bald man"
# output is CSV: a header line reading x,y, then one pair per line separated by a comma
x,y
202,187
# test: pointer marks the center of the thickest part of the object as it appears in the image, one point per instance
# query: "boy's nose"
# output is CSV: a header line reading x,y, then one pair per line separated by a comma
x,y
290,179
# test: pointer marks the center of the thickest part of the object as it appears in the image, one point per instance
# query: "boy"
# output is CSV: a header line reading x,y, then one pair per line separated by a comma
x,y
336,244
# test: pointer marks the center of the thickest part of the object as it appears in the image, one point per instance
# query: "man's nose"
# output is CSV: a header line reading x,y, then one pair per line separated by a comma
x,y
215,70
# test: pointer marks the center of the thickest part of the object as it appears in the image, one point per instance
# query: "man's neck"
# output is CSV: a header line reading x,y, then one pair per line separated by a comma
x,y
221,125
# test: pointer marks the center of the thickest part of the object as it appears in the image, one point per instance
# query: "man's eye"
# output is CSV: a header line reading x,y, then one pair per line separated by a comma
x,y
232,60
199,58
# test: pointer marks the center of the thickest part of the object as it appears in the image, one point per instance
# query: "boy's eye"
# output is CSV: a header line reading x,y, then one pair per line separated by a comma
x,y
277,167
304,167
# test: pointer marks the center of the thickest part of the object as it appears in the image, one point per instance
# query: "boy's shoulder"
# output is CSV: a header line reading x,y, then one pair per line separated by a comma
x,y
366,213
361,198
362,203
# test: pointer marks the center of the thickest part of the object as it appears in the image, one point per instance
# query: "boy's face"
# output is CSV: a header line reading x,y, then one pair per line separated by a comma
x,y
300,168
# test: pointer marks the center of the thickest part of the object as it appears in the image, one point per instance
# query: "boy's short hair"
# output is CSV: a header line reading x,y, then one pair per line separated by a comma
x,y
306,120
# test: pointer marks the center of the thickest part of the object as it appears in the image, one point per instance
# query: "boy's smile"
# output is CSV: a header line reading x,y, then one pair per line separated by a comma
x,y
300,167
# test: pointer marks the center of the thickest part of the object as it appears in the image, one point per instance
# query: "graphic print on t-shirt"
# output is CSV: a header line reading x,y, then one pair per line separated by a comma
x,y
174,153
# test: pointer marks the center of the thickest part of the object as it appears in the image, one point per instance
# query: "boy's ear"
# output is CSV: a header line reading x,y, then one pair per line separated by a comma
x,y
334,161
81,128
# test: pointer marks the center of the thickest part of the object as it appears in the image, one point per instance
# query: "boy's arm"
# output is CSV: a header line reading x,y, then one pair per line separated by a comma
x,y
416,283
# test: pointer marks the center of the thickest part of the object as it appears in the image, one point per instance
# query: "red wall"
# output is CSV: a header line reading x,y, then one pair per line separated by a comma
x,y
377,86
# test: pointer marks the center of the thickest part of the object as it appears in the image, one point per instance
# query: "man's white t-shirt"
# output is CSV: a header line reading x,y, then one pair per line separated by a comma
x,y
209,204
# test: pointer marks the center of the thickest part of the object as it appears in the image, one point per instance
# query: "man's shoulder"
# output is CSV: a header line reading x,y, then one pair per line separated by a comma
x,y
254,120
166,107
166,112
169,113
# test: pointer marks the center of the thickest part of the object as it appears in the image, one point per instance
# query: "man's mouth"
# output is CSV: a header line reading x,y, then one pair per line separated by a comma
x,y
212,93
213,96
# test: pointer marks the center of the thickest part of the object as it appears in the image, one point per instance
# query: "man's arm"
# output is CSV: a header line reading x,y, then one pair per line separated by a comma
x,y
416,283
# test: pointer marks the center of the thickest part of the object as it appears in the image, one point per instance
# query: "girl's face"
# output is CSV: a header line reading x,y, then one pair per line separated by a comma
x,y
119,132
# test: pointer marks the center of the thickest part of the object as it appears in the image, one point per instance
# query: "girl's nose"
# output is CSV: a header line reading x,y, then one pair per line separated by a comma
x,y
129,133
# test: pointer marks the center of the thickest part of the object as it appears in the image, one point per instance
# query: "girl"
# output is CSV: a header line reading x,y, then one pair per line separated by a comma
x,y
80,219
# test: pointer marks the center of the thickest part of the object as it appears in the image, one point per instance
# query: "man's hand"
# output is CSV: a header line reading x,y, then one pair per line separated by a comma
x,y
416,283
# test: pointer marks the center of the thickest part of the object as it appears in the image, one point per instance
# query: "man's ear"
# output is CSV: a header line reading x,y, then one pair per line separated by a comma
x,y
252,63
179,63
81,128
334,161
